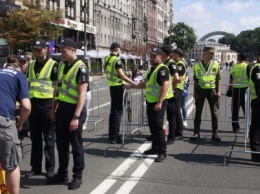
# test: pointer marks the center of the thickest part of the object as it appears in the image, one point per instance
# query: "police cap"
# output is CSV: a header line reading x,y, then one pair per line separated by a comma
x,y
167,50
115,45
156,51
67,42
178,51
39,43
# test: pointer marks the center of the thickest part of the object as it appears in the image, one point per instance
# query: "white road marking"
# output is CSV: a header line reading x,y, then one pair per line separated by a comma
x,y
136,176
112,178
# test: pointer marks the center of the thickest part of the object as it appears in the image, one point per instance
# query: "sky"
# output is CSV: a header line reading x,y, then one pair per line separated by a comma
x,y
205,16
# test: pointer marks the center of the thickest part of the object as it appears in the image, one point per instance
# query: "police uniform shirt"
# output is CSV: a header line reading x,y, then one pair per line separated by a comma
x,y
39,65
256,79
82,75
118,64
172,67
162,76
206,66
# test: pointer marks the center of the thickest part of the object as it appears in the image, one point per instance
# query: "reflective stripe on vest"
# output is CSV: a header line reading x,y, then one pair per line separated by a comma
x,y
41,86
252,84
240,78
153,89
68,91
182,83
111,72
206,80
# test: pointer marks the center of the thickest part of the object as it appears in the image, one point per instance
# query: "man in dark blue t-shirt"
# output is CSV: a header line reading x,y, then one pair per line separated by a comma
x,y
13,88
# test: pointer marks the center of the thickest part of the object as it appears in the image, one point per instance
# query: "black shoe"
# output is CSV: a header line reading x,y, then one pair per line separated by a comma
x,y
57,179
150,138
32,173
151,151
178,137
195,136
170,141
215,137
160,158
75,184
236,130
119,140
50,175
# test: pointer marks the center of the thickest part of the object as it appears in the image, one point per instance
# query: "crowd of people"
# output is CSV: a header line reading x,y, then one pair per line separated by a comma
x,y
51,101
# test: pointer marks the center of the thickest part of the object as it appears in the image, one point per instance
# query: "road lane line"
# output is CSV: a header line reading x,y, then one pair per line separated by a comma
x,y
113,177
136,176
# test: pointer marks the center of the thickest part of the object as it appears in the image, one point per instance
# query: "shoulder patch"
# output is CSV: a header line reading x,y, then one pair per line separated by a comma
x,y
174,66
119,62
55,69
163,72
258,76
83,69
180,68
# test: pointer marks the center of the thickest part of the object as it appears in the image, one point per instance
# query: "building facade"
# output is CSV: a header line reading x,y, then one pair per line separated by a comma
x,y
136,24
223,53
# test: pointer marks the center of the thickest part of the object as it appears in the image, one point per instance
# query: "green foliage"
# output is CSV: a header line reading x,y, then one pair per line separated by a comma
x,y
182,35
22,26
247,41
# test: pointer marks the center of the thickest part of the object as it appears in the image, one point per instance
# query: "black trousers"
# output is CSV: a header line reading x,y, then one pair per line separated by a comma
x,y
255,127
116,111
178,131
238,100
210,95
170,112
40,128
64,138
155,121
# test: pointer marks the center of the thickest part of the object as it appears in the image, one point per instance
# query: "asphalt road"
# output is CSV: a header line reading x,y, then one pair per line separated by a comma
x,y
191,167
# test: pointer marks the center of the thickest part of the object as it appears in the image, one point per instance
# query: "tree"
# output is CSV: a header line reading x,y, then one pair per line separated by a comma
x,y
182,35
22,26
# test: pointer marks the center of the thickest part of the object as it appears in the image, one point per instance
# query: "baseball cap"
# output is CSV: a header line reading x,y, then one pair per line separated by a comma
x,y
39,43
178,51
167,50
156,51
67,42
209,49
22,58
115,45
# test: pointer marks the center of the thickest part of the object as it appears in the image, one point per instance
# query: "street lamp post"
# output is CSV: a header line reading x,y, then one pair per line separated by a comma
x,y
86,59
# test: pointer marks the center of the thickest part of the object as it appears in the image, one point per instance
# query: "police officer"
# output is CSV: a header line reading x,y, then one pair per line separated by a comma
x,y
254,81
158,89
116,79
42,76
70,96
166,59
206,86
239,77
177,56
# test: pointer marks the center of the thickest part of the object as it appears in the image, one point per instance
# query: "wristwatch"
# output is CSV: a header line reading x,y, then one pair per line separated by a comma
x,y
75,117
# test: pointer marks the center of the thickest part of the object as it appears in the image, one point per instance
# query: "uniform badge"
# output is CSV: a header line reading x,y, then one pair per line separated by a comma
x,y
180,68
214,70
37,42
163,73
174,66
83,69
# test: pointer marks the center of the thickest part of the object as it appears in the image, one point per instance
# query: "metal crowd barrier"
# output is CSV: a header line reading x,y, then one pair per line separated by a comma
x,y
134,115
94,115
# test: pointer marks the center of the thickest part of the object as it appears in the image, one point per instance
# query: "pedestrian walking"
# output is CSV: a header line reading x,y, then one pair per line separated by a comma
x,y
254,81
238,84
69,113
116,79
13,87
42,76
158,89
206,86
184,97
